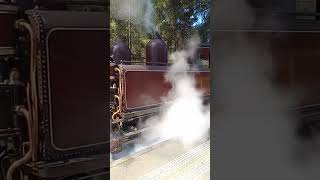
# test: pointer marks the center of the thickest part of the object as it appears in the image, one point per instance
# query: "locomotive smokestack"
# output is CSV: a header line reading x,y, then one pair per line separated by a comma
x,y
157,35
156,51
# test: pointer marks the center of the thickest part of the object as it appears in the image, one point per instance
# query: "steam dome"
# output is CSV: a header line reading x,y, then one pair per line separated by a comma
x,y
121,53
156,52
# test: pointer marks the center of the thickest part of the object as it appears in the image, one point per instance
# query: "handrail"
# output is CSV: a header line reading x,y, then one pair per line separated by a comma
x,y
33,100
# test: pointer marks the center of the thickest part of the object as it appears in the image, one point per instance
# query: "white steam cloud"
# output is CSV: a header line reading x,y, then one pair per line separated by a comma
x,y
140,12
184,116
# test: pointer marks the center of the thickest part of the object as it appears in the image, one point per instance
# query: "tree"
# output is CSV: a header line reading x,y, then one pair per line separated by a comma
x,y
175,21
203,12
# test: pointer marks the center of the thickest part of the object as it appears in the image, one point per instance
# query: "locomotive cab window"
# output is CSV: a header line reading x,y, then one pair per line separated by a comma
x,y
203,57
204,61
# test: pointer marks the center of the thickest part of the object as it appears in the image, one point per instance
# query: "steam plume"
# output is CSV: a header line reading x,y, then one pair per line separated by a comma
x,y
140,12
185,117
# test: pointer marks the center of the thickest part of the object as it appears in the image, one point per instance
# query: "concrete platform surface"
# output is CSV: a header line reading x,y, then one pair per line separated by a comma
x,y
170,160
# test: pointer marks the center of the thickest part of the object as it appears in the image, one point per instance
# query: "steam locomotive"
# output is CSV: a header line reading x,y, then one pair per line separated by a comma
x,y
53,110
137,87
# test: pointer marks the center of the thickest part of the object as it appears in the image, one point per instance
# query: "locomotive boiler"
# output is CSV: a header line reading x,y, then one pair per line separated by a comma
x,y
137,88
53,117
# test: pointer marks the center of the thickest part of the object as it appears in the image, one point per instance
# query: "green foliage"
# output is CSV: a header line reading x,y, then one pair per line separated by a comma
x,y
130,34
203,10
174,19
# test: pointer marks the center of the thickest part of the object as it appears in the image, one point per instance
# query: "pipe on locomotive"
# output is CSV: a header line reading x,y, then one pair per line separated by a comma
x,y
116,116
28,155
31,115
33,100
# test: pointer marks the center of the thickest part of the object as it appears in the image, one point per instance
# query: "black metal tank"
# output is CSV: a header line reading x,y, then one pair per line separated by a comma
x,y
156,52
121,53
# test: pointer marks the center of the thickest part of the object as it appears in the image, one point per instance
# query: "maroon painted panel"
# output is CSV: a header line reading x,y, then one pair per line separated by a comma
x,y
145,87
77,67
204,52
203,82
7,35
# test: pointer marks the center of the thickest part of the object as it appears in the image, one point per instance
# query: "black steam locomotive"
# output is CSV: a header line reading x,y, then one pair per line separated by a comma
x,y
53,117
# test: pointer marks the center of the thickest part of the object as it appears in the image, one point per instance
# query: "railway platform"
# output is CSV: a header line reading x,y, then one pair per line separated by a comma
x,y
168,160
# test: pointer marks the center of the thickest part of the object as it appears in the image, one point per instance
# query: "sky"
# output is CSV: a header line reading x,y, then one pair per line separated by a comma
x,y
199,21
